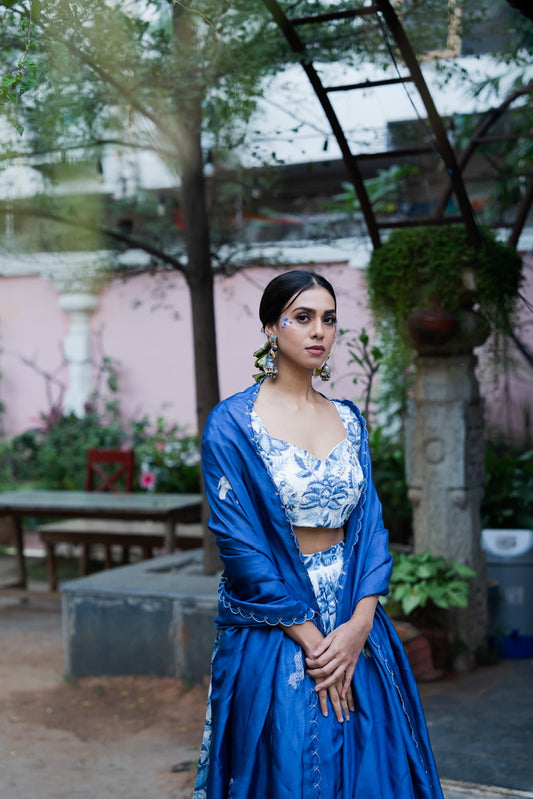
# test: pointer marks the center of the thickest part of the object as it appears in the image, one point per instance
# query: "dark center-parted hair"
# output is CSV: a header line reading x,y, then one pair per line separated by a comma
x,y
286,287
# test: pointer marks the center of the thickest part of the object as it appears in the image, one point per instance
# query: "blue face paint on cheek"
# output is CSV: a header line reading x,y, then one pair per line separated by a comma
x,y
286,321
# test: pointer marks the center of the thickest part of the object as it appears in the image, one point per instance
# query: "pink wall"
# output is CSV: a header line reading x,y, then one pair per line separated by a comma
x,y
509,393
144,323
32,326
239,328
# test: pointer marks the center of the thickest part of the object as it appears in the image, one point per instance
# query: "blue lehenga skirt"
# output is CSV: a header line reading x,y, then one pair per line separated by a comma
x,y
382,752
324,569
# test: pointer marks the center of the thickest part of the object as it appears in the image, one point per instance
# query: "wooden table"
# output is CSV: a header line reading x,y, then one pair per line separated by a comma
x,y
166,508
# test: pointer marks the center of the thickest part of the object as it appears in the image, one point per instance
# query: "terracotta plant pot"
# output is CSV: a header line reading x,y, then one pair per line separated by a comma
x,y
421,660
431,326
418,650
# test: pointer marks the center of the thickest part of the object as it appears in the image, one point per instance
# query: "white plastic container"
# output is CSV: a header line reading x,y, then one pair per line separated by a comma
x,y
509,557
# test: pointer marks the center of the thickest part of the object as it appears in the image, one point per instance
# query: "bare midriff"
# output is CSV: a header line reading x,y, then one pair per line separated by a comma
x,y
316,539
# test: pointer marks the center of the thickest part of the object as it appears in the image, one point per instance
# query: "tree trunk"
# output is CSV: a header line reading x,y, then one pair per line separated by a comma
x,y
199,278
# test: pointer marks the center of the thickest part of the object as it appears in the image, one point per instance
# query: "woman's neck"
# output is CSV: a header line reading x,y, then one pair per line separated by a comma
x,y
295,386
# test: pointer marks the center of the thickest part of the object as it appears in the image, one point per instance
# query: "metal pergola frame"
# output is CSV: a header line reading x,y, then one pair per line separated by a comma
x,y
387,20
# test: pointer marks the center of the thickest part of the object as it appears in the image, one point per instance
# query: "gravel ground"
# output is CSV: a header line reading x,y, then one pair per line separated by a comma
x,y
94,738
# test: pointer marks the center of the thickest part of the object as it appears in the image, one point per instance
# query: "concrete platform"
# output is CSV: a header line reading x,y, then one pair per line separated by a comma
x,y
154,618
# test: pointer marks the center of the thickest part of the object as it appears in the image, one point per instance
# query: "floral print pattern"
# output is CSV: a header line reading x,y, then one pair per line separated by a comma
x,y
203,763
324,569
315,492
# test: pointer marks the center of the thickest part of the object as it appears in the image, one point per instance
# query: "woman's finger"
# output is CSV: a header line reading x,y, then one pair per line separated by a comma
x,y
348,675
323,701
318,662
336,703
349,698
323,671
340,705
345,708
336,676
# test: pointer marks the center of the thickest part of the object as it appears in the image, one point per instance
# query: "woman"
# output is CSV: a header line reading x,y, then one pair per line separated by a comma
x,y
311,694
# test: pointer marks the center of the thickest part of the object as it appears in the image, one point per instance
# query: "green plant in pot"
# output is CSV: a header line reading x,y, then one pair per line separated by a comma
x,y
423,589
433,275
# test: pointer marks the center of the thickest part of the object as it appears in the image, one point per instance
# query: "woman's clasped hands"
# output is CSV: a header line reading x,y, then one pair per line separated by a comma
x,y
332,663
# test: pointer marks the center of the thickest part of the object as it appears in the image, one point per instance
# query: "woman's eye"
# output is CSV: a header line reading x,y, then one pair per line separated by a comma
x,y
330,320
302,317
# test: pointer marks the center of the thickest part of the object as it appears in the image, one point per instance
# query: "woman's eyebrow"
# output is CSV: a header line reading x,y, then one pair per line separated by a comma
x,y
311,310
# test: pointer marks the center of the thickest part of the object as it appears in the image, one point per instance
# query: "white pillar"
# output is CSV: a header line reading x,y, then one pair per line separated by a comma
x,y
78,351
79,278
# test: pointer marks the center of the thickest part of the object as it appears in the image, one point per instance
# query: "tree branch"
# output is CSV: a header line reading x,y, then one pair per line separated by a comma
x,y
521,347
107,77
12,154
115,235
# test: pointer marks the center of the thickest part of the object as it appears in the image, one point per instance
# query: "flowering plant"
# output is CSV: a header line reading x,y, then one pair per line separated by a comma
x,y
167,459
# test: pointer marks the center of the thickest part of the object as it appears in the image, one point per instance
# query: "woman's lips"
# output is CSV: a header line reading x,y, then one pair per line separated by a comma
x,y
315,350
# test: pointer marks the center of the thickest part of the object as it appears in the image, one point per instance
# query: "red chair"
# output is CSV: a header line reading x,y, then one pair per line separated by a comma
x,y
107,470
100,477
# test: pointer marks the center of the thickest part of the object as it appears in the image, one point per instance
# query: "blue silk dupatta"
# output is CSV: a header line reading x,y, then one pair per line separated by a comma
x,y
268,738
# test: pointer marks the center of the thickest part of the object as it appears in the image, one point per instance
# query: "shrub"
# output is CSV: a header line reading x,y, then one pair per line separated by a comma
x,y
422,583
167,459
55,455
508,496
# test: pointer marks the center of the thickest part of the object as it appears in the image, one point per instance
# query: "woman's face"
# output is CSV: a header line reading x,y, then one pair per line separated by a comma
x,y
306,329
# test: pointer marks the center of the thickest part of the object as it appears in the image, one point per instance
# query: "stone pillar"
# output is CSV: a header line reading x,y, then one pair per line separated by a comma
x,y
79,278
445,472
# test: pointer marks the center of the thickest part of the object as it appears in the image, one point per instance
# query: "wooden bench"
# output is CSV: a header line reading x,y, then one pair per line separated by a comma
x,y
147,536
111,471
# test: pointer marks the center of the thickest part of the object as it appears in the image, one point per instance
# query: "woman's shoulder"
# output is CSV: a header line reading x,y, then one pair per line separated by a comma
x,y
347,408
353,420
232,410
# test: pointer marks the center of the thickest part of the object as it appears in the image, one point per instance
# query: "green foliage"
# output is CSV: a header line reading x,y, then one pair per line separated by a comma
x,y
24,75
424,582
420,266
385,191
388,473
508,495
167,459
367,357
55,455
396,374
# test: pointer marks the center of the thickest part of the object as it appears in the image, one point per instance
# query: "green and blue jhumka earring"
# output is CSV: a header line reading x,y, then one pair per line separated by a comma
x,y
324,371
265,359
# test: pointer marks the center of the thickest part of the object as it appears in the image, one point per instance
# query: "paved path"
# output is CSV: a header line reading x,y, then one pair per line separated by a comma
x,y
466,790
481,726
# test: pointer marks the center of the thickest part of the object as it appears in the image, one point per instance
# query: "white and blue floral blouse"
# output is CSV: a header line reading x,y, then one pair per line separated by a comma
x,y
315,492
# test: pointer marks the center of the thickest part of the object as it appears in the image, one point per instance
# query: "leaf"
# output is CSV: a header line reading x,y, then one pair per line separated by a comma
x,y
409,603
462,570
425,571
